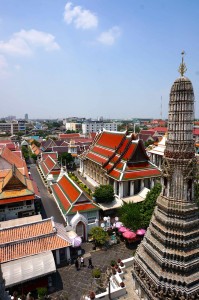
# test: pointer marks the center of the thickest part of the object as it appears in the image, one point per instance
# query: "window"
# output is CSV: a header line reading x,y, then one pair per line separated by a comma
x,y
91,216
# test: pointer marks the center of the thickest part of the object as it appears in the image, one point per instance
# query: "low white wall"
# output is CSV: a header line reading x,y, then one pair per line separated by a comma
x,y
114,294
128,262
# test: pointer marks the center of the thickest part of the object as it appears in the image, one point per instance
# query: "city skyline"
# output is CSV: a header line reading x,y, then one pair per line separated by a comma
x,y
95,58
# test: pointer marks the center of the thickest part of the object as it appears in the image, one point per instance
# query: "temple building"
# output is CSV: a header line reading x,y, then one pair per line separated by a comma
x,y
117,158
166,264
18,192
77,208
156,154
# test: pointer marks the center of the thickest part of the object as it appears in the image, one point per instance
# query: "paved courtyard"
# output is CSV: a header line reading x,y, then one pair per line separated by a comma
x,y
73,284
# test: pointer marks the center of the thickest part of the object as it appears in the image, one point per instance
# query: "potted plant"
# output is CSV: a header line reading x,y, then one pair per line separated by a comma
x,y
122,285
96,273
119,270
121,264
92,295
119,261
113,271
113,263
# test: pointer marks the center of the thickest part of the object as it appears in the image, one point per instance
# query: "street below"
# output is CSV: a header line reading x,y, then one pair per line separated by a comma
x,y
50,207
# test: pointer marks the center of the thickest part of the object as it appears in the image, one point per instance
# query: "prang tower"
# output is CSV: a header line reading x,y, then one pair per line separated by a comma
x,y
166,264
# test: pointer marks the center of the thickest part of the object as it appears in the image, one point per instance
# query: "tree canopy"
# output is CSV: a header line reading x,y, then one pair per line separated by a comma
x,y
99,235
138,215
25,152
66,158
104,193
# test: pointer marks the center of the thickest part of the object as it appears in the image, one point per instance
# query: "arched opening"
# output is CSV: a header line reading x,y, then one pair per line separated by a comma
x,y
81,230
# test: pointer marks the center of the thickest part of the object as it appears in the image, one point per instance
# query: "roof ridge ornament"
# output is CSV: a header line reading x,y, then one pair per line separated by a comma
x,y
182,68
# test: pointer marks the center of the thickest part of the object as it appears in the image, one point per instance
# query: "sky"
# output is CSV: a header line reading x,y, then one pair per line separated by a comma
x,y
93,58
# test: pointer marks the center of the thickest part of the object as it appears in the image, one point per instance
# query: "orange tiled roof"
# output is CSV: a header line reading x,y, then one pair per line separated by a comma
x,y
49,165
30,239
15,187
68,135
53,155
11,198
141,174
14,159
160,129
70,197
69,188
61,197
115,152
83,207
18,153
110,139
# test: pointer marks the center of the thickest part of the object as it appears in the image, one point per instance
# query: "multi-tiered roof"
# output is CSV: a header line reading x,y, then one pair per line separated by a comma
x,y
70,197
166,264
121,156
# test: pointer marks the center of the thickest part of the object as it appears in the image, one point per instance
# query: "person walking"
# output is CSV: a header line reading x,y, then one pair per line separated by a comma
x,y
82,261
77,264
90,264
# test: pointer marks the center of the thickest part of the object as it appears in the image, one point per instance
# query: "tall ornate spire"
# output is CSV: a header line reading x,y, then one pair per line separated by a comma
x,y
182,68
166,264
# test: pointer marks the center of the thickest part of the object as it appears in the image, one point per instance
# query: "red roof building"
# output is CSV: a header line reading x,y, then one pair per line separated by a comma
x,y
49,166
17,195
117,158
160,130
72,200
26,249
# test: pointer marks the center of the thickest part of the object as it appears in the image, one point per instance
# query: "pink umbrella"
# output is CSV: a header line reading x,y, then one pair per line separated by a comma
x,y
76,242
118,224
123,229
141,232
129,234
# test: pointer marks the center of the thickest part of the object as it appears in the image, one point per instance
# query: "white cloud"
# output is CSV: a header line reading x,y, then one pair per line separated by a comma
x,y
109,37
23,42
82,18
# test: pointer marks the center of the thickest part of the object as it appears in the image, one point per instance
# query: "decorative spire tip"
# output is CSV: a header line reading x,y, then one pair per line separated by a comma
x,y
182,68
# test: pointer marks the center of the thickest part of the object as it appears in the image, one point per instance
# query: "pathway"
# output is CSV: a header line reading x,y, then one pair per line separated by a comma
x,y
49,204
74,284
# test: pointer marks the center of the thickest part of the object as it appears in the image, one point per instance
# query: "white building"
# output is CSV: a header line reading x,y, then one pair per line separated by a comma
x,y
97,126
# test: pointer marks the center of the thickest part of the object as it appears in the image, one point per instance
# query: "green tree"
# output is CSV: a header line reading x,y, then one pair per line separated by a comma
x,y
104,193
130,215
138,215
25,152
99,235
36,143
148,205
66,158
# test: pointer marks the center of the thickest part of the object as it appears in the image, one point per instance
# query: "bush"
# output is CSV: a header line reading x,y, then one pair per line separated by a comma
x,y
104,194
96,273
99,235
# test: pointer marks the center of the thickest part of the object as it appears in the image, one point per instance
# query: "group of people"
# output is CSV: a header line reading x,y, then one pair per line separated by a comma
x,y
79,263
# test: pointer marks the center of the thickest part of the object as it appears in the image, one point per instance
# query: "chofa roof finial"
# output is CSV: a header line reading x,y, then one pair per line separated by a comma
x,y
182,68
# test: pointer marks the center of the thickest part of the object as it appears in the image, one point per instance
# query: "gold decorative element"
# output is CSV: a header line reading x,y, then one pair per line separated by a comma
x,y
182,68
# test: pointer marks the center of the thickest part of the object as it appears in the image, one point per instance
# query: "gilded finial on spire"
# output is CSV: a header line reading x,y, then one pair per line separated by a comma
x,y
182,68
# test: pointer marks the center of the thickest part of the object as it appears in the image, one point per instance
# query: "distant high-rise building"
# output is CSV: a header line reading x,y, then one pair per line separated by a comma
x,y
97,126
26,117
166,264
